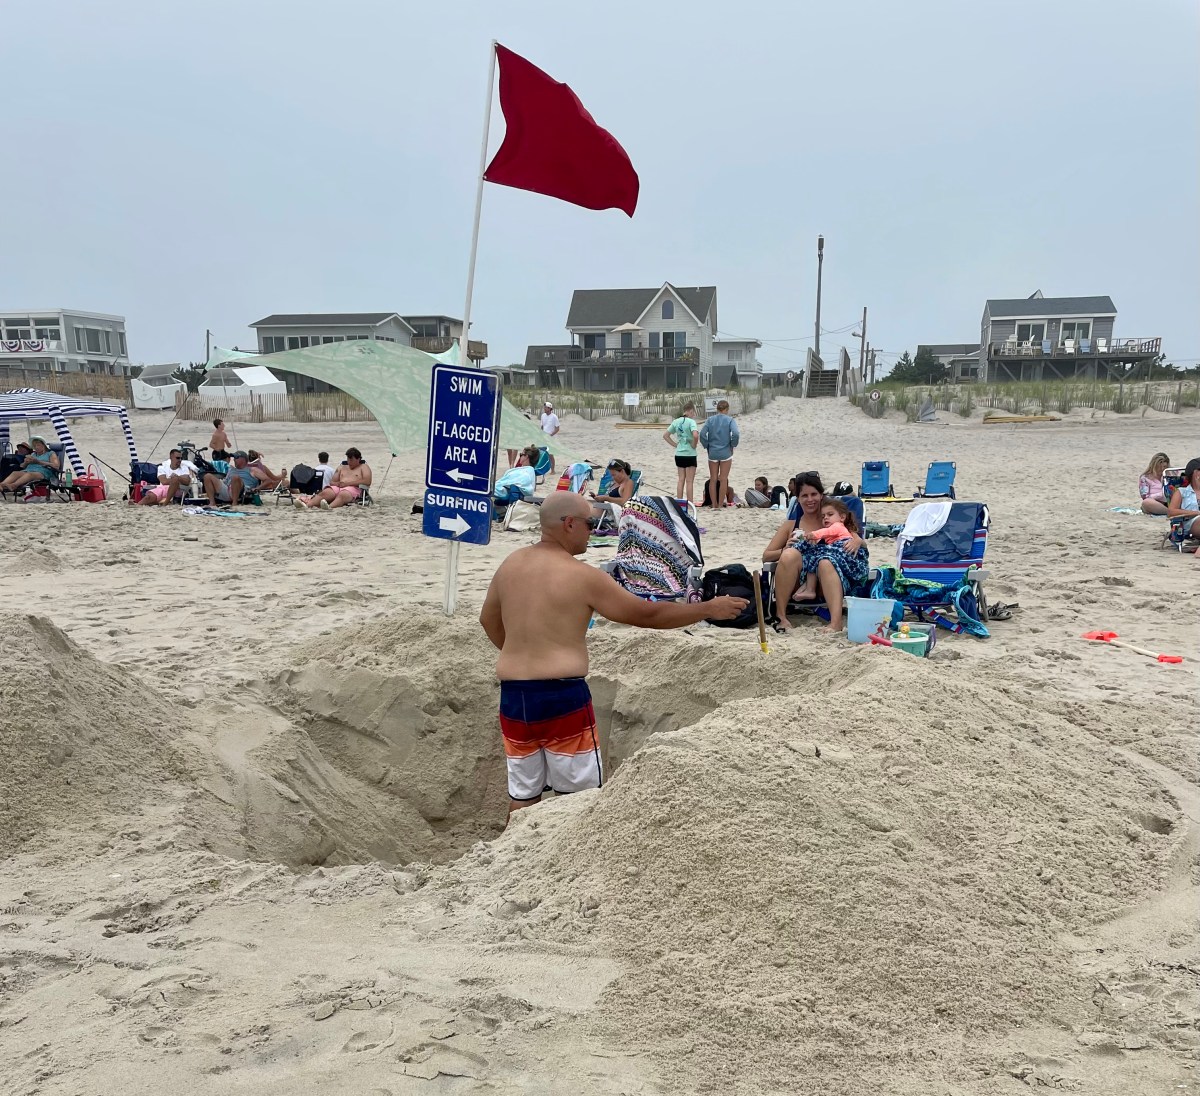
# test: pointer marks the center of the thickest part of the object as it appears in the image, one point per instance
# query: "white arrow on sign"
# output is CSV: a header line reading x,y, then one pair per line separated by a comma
x,y
458,476
454,524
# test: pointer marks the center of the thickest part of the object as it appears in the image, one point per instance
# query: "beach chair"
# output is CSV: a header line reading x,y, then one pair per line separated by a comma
x,y
53,488
575,478
1085,346
1101,346
542,468
1068,346
876,480
943,573
1175,536
939,481
1047,348
859,512
659,557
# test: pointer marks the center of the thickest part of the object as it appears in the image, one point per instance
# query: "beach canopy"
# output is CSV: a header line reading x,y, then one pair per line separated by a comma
x,y
390,380
32,404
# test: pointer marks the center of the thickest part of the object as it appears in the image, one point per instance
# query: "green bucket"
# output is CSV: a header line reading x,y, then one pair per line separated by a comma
x,y
913,644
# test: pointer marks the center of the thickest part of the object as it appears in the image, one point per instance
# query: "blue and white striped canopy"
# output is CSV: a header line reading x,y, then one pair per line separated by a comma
x,y
23,404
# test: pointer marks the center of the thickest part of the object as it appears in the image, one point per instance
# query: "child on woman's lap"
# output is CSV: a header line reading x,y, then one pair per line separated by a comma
x,y
838,525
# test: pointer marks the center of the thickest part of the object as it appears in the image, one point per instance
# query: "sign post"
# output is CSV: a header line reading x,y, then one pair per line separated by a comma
x,y
460,463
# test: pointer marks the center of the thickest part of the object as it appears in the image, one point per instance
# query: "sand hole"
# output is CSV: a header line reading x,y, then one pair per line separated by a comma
x,y
1155,823
406,763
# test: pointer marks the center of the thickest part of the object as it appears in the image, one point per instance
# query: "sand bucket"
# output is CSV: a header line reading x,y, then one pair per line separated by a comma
x,y
913,644
864,614
929,631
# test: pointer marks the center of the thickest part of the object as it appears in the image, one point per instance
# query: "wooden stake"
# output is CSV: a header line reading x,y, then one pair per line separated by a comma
x,y
758,605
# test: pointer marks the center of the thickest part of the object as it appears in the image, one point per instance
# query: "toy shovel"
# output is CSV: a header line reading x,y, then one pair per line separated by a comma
x,y
1111,639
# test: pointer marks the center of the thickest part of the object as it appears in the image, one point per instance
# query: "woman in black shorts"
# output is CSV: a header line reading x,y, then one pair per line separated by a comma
x,y
684,434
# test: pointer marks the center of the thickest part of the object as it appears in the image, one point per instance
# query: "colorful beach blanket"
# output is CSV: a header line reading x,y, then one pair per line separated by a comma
x,y
657,545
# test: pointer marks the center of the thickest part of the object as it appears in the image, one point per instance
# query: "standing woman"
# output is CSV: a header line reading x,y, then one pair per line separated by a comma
x,y
219,444
684,435
719,436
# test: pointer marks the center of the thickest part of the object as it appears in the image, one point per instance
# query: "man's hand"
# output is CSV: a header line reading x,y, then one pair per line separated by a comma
x,y
725,607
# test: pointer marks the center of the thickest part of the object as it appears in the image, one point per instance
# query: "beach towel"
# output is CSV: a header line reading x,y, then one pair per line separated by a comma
x,y
656,547
922,520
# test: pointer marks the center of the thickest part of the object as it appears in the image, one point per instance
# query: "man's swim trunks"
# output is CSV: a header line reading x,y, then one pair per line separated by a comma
x,y
550,739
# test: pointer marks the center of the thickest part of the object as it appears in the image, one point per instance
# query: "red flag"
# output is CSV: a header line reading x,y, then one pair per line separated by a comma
x,y
553,145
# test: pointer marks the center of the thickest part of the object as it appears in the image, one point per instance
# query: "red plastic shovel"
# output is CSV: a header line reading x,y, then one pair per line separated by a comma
x,y
1111,639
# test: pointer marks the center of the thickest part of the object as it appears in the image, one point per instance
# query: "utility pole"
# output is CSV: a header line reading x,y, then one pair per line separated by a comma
x,y
820,264
871,367
207,345
862,347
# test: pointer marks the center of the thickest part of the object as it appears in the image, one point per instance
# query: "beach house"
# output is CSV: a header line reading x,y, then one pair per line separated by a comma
x,y
61,340
625,340
736,364
1047,338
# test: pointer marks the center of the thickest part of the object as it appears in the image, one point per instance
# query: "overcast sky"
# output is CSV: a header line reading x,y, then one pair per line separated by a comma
x,y
199,165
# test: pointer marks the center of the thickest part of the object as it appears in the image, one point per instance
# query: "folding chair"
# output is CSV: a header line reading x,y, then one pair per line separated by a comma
x,y
1175,536
542,468
939,481
876,480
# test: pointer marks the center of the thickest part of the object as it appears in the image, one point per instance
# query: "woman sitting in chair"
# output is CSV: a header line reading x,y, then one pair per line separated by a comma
x,y
520,480
1184,502
267,479
838,568
39,466
608,506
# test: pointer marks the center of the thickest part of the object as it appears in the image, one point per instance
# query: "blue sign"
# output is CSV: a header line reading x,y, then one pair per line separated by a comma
x,y
455,515
464,419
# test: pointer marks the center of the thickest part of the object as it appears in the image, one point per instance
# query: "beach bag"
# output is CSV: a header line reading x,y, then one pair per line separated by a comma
x,y
732,580
304,480
522,517
93,487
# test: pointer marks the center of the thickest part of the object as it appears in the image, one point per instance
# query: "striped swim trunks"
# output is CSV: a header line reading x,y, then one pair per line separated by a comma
x,y
550,740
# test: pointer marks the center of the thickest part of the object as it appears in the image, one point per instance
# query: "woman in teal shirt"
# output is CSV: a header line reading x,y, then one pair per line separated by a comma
x,y
684,435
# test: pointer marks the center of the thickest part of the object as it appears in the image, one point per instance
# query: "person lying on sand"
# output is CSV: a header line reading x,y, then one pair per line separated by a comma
x,y
347,485
536,613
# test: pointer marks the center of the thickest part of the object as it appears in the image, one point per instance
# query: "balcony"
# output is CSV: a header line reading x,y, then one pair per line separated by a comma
x,y
636,356
439,344
30,346
1114,349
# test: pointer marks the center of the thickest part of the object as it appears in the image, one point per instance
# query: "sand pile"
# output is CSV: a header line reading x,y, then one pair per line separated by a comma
x,y
839,921
80,742
40,561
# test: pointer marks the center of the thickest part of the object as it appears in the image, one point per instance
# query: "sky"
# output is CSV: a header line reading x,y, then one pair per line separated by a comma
x,y
199,165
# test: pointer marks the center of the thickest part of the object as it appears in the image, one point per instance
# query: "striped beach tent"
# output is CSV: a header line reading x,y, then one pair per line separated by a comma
x,y
32,404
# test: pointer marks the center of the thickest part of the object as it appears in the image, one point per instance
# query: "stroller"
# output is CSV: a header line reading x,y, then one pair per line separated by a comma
x,y
658,550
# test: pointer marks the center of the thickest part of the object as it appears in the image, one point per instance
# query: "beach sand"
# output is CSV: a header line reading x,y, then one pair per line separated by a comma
x,y
252,801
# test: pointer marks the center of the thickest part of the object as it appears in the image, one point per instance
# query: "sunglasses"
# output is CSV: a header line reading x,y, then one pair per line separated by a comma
x,y
591,522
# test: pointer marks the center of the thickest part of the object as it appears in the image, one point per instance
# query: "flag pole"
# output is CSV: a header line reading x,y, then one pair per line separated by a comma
x,y
450,593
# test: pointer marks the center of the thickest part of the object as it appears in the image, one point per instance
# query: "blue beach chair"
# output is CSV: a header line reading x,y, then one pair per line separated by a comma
x,y
876,480
1174,537
939,481
606,482
944,571
542,468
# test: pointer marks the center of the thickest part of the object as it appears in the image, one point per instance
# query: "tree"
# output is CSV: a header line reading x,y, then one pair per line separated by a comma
x,y
923,369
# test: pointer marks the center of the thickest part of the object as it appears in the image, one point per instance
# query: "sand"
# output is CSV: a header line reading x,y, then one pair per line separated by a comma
x,y
252,804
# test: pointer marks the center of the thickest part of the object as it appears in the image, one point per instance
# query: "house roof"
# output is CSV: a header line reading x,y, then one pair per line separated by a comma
x,y
1051,306
610,307
944,349
326,319
740,342
429,316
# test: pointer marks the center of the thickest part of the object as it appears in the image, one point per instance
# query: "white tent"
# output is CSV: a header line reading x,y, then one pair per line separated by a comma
x,y
235,386
156,387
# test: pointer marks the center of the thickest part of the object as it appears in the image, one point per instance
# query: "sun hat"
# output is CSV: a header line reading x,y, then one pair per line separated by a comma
x,y
38,437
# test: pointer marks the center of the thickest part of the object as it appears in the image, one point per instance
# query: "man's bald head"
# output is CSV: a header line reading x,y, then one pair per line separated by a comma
x,y
563,504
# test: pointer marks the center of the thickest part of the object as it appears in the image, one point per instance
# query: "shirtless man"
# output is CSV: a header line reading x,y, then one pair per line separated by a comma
x,y
536,613
219,444
345,487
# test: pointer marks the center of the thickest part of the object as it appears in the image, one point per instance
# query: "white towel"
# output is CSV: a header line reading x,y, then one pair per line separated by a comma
x,y
926,518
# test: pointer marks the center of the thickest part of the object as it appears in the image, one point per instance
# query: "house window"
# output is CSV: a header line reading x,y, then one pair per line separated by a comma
x,y
595,343
673,343
107,341
124,347
425,330
92,338
1076,329
17,329
293,342
273,344
1031,332
626,340
668,310
46,327
735,355
79,340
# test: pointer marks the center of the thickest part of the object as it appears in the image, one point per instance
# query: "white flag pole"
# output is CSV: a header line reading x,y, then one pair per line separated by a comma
x,y
450,593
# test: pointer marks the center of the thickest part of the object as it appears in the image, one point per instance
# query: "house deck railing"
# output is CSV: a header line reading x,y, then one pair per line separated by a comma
x,y
439,344
1066,348
638,355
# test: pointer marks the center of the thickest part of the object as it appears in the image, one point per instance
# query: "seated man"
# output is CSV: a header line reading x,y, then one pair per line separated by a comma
x,y
347,485
238,481
325,468
519,481
175,475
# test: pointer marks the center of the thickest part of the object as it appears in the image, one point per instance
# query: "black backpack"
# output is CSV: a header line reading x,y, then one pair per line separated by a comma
x,y
735,581
305,480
